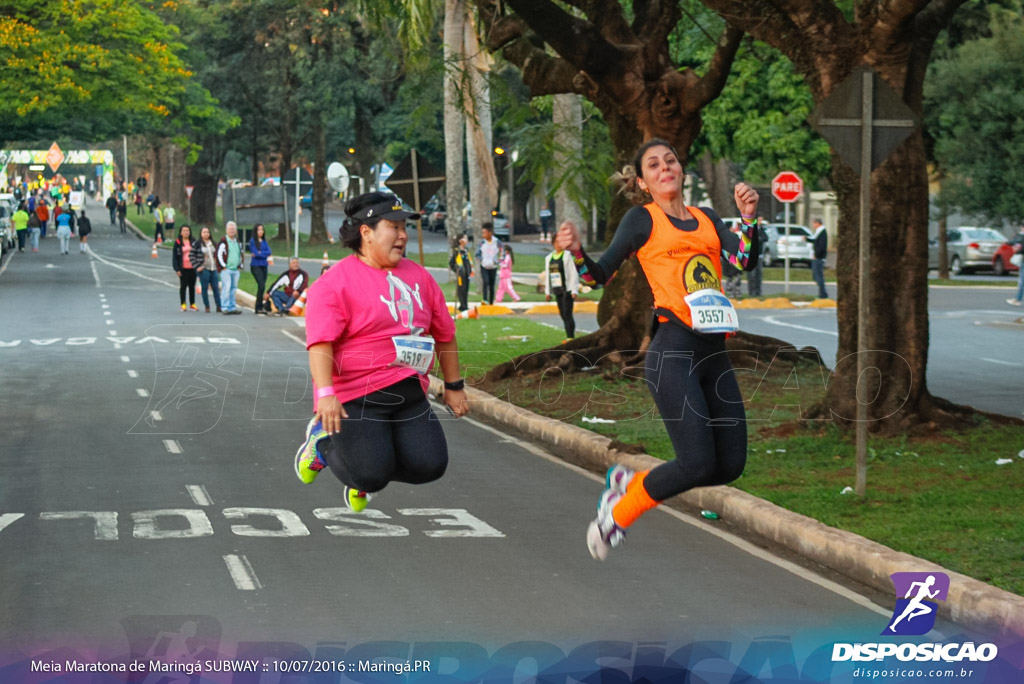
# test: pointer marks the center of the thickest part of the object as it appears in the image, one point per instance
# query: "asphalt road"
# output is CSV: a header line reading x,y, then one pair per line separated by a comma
x,y
148,494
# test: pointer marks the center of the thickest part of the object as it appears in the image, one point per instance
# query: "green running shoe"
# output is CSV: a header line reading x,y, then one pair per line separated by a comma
x,y
355,499
308,463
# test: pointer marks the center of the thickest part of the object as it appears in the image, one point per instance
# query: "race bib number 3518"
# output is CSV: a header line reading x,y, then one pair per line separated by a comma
x,y
414,351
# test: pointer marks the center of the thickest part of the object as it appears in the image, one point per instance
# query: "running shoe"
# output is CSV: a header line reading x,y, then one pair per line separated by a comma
x,y
308,463
355,499
193,307
183,307
618,478
604,533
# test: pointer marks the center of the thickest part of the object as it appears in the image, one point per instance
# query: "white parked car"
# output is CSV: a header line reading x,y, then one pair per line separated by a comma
x,y
792,241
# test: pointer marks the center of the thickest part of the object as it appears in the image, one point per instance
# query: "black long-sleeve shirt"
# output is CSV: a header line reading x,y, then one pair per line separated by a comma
x,y
635,230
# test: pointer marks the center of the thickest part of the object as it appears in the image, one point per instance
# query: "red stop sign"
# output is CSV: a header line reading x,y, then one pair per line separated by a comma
x,y
787,186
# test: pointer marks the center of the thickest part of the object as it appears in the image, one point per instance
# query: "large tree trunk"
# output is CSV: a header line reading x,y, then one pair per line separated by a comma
x,y
717,177
204,197
454,121
483,182
567,116
318,231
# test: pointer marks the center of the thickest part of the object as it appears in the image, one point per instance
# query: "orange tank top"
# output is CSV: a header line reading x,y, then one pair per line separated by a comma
x,y
678,263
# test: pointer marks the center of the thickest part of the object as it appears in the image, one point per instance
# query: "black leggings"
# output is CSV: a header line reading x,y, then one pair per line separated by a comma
x,y
389,436
260,274
188,285
565,305
695,389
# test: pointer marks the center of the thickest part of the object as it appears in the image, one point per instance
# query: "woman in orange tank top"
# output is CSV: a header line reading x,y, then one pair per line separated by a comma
x,y
679,249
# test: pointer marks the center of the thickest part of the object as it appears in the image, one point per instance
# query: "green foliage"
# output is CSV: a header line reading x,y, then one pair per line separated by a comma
x,y
760,119
973,105
86,69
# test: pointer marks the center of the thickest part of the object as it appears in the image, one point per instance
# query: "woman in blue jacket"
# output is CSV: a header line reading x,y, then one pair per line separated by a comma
x,y
260,250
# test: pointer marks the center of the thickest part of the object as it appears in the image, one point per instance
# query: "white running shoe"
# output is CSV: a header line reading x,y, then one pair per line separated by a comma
x,y
604,533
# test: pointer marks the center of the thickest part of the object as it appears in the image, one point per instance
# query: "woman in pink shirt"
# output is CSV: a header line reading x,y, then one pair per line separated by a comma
x,y
374,323
505,277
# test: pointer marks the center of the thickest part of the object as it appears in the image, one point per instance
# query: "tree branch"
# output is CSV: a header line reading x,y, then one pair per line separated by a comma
x,y
660,21
927,26
710,85
566,34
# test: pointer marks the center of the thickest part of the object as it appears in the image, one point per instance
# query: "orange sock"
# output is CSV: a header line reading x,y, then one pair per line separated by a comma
x,y
634,503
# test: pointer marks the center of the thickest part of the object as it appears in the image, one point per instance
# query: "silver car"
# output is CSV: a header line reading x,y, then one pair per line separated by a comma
x,y
792,241
6,229
967,248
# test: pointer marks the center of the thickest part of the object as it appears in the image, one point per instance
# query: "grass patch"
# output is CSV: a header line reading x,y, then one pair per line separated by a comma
x,y
940,497
959,282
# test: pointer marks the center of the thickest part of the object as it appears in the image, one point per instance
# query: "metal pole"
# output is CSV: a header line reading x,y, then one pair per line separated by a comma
x,y
786,238
864,284
416,199
511,199
126,176
298,185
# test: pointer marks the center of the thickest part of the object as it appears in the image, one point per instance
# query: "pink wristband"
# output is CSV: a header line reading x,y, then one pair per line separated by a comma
x,y
324,392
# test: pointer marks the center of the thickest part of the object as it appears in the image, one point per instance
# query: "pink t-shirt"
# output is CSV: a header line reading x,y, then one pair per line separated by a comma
x,y
358,309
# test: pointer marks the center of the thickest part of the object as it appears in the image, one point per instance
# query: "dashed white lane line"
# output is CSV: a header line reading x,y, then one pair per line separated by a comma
x,y
104,306
242,573
126,359
172,446
107,313
133,374
1002,363
142,392
199,495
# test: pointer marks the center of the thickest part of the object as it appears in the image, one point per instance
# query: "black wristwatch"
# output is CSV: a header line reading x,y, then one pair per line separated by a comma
x,y
459,384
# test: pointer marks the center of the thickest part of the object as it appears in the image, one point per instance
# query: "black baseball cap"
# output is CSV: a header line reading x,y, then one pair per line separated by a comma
x,y
389,208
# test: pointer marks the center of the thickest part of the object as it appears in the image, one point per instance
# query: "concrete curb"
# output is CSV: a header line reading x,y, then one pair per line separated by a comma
x,y
971,603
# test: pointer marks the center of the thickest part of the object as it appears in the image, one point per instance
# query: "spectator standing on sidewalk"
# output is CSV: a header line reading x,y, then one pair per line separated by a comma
x,y
488,254
230,260
462,264
260,250
820,240
562,281
181,260
138,203
168,212
158,231
755,276
204,256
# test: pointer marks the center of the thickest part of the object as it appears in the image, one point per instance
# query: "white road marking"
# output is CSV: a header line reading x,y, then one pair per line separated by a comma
x,y
133,374
454,517
363,524
155,416
142,392
147,527
107,262
242,573
294,337
109,322
774,321
199,495
95,274
289,524
725,536
172,446
125,359
104,306
7,263
1002,363
107,313
104,522
8,518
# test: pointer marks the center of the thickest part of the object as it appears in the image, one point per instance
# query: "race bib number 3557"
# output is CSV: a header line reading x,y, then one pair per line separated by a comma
x,y
712,312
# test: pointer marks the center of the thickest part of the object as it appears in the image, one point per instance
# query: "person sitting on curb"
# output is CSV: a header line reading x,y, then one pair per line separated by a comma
x,y
288,287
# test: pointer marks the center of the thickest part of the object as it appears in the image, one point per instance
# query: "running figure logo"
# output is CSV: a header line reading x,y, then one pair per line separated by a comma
x,y
400,306
916,607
